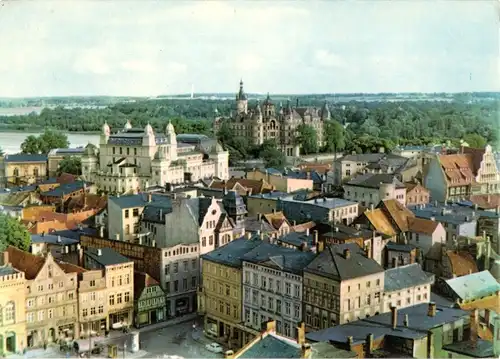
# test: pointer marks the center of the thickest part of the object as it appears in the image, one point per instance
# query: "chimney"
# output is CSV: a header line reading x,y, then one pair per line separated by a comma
x,y
59,240
259,216
80,256
315,239
406,322
320,247
294,223
372,207
303,247
249,235
336,229
474,322
99,252
150,197
347,253
307,231
153,243
261,235
475,206
369,344
117,236
301,333
350,341
297,102
229,354
431,312
306,350
274,210
394,317
358,226
433,219
270,326
101,231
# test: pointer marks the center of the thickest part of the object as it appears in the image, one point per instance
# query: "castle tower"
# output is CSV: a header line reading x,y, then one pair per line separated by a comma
x,y
241,101
105,133
171,142
325,112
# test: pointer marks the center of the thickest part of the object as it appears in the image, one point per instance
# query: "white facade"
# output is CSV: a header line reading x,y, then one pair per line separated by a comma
x,y
134,159
368,196
271,294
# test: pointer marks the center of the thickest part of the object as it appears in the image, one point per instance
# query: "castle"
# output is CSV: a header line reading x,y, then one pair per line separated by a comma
x,y
134,159
265,121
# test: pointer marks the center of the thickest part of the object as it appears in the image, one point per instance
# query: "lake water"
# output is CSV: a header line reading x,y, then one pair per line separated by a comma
x,y
10,142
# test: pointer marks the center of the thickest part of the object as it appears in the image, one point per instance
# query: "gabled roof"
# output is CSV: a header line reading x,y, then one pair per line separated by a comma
x,y
254,186
107,256
332,263
276,219
462,263
26,262
422,225
374,180
474,286
137,200
141,281
231,254
379,222
398,213
87,201
408,276
65,189
458,169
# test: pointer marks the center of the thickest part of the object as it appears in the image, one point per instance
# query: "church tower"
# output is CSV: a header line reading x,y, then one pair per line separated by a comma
x,y
241,101
171,142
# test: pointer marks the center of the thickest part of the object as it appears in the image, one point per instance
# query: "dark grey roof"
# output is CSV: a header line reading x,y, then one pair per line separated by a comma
x,y
25,158
333,264
380,325
253,224
312,175
272,346
344,232
53,239
286,259
373,180
407,276
156,211
232,253
64,189
69,151
478,348
108,256
137,200
234,204
8,270
199,207
296,239
76,233
451,213
393,246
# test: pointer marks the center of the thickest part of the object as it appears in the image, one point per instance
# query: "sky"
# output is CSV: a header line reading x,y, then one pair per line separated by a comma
x,y
150,48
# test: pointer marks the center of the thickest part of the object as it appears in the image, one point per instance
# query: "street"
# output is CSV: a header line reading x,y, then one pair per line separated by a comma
x,y
165,341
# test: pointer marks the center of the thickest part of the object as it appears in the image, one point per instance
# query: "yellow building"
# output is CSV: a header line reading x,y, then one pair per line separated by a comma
x,y
23,169
219,298
12,299
119,273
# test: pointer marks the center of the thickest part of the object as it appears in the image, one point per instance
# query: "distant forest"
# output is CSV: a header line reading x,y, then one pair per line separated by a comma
x,y
393,122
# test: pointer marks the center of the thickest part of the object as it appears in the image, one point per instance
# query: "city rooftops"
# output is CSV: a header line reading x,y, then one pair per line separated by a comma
x,y
343,262
106,256
343,232
65,189
272,346
286,259
67,151
6,270
19,158
374,180
231,254
474,286
53,239
329,203
450,213
138,200
400,247
419,323
411,275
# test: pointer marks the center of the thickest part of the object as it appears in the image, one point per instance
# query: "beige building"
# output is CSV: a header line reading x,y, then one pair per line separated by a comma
x,y
51,297
12,308
268,122
370,188
134,159
22,169
280,181
119,275
92,303
341,285
56,156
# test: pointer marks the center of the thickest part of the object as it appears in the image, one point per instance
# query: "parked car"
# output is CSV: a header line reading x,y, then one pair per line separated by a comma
x,y
214,348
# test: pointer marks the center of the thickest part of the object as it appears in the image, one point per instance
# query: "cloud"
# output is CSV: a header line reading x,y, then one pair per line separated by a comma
x,y
329,59
141,66
249,62
91,62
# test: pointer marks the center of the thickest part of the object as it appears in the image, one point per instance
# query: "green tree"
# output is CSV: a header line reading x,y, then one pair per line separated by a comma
x,y
31,145
334,136
13,233
50,140
271,155
307,138
474,140
70,164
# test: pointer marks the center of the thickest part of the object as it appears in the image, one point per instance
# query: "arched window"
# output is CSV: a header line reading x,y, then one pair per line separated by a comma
x,y
9,312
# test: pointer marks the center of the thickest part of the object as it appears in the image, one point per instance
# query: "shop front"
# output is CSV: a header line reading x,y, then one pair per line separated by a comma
x,y
119,320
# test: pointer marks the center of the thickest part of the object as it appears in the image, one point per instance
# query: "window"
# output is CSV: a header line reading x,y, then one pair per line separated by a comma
x,y
92,311
176,267
296,311
40,288
120,280
278,286
135,212
92,283
287,308
176,286
278,306
263,282
127,297
193,263
228,290
127,279
41,315
228,309
101,309
185,265
167,269
51,286
296,290
85,312
92,296
30,303
288,288
126,213
193,282
184,284
119,298
30,317
10,312
127,229
112,299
